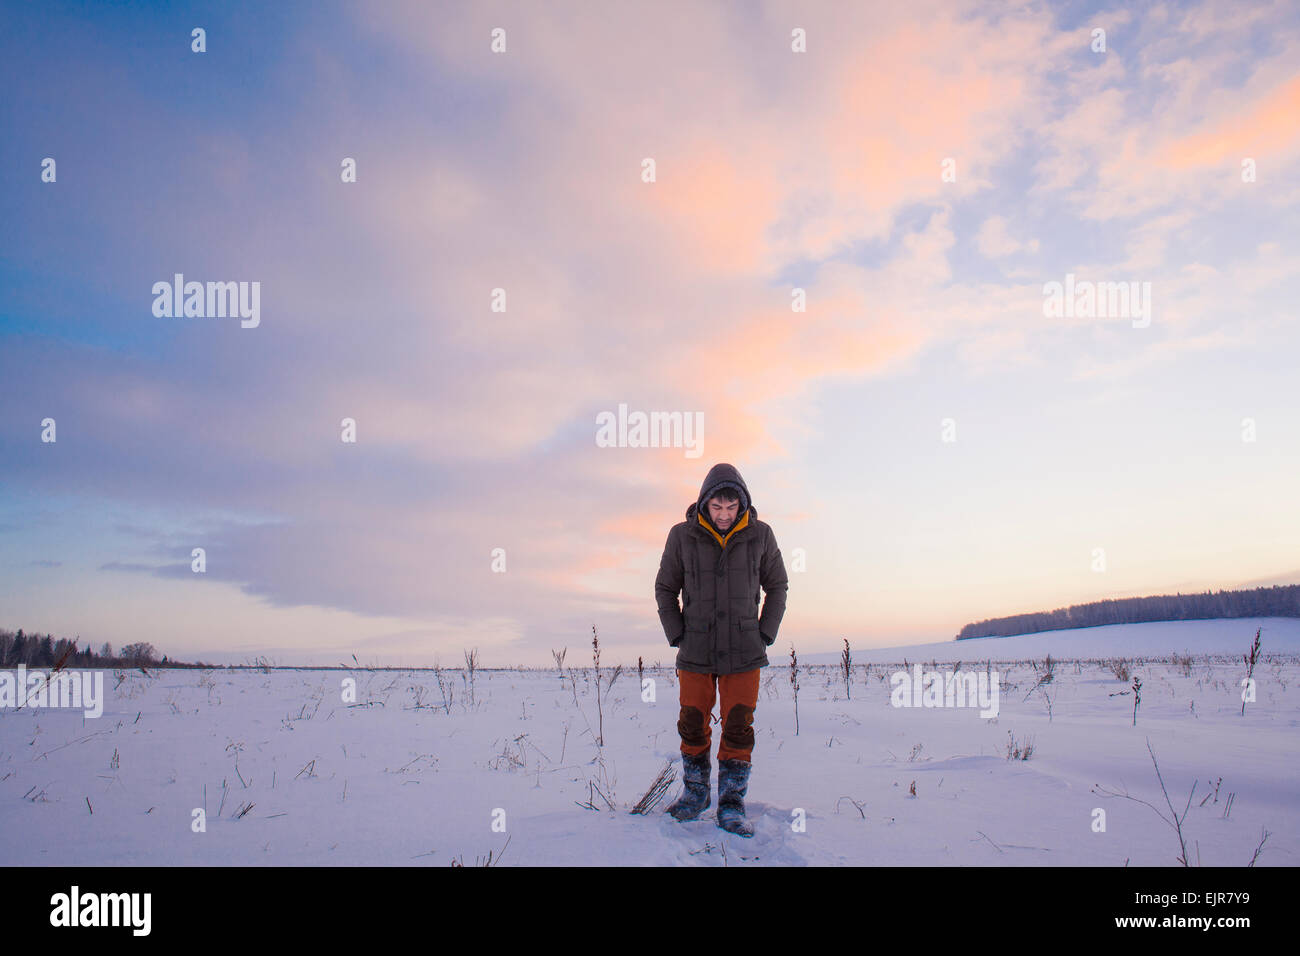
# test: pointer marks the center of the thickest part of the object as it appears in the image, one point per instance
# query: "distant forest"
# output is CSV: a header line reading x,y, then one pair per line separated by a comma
x,y
36,650
1281,600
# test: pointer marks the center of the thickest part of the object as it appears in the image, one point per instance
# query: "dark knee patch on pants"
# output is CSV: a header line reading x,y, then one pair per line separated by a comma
x,y
738,732
691,726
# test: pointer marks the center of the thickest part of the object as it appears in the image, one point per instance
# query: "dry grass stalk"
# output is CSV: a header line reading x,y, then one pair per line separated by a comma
x,y
657,789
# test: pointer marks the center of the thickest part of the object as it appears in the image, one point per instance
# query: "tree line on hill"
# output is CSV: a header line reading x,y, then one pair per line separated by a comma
x,y
45,650
1280,600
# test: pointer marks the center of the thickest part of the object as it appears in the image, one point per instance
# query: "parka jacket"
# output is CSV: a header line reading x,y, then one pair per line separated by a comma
x,y
717,628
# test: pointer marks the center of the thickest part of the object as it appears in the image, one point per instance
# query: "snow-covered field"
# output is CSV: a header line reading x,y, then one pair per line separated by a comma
x,y
384,781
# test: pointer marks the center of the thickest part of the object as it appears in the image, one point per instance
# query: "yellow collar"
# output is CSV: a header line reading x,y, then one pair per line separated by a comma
x,y
744,521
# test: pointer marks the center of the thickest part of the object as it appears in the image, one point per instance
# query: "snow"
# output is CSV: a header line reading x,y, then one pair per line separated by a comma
x,y
384,782
1231,638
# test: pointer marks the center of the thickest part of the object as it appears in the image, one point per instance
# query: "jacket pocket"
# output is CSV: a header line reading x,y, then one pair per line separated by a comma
x,y
752,645
695,646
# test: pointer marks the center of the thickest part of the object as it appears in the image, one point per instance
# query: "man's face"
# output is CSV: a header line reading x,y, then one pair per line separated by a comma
x,y
723,513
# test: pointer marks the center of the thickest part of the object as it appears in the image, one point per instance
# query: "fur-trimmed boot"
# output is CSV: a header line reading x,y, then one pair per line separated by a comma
x,y
695,794
733,782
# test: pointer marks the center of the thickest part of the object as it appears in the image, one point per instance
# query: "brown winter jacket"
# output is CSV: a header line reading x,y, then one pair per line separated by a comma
x,y
717,628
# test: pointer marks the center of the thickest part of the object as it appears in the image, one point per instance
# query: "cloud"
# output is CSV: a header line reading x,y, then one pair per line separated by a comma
x,y
476,427
131,566
994,241
1179,136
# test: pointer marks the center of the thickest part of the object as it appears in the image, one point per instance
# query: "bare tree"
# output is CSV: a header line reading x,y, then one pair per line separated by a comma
x,y
140,653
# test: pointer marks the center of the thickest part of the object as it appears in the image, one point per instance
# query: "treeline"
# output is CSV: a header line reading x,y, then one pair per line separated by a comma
x,y
44,651
1281,600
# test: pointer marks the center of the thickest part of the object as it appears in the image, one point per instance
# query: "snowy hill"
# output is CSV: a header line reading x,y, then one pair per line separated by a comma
x,y
282,767
1230,637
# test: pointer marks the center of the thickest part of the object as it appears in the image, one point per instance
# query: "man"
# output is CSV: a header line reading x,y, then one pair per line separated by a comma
x,y
718,558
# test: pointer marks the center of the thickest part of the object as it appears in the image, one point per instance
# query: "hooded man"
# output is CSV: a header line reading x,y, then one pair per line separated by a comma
x,y
717,559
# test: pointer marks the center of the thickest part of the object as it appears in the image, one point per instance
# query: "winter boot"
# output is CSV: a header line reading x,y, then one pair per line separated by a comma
x,y
695,795
733,781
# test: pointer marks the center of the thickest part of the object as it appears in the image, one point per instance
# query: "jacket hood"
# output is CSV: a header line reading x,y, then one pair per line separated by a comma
x,y
722,475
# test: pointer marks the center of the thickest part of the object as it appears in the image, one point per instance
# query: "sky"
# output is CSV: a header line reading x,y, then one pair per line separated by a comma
x,y
827,231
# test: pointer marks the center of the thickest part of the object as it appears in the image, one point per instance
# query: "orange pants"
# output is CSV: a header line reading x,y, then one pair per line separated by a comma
x,y
739,698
